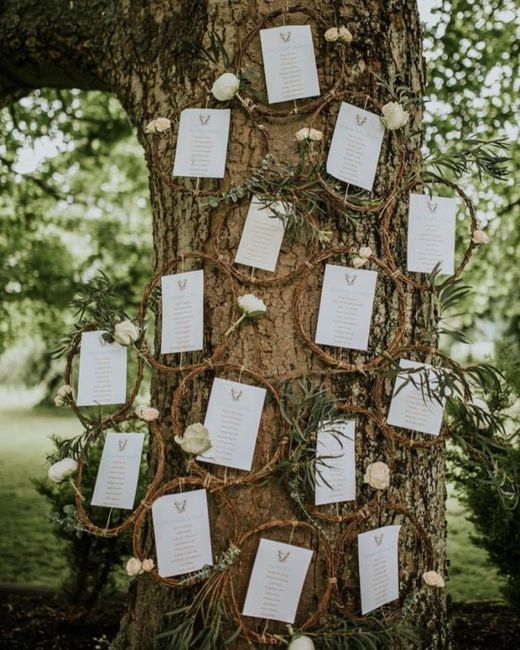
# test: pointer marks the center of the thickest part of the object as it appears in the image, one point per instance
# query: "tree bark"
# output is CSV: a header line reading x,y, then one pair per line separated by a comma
x,y
135,50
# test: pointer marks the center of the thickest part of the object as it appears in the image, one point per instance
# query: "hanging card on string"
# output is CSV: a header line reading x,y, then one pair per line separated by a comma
x,y
347,299
202,143
289,63
233,419
378,555
182,534
336,473
118,473
431,234
276,581
102,371
355,147
182,312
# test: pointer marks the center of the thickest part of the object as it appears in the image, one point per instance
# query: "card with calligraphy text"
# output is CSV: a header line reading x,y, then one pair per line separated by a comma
x,y
378,555
233,419
411,406
182,534
355,147
336,474
202,143
289,63
276,581
431,233
102,371
347,299
182,312
262,235
118,473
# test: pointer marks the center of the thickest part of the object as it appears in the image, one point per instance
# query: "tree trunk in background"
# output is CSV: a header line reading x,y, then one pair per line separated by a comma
x,y
134,50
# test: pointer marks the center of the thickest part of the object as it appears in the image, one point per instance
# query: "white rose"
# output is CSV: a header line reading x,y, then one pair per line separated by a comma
x,y
160,125
252,306
225,87
126,332
62,395
480,237
377,475
148,565
358,262
147,413
134,567
195,439
332,35
345,35
308,134
394,116
433,579
365,251
62,470
481,422
301,643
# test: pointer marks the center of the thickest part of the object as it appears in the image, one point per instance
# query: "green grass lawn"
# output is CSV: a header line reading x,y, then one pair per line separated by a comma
x,y
31,555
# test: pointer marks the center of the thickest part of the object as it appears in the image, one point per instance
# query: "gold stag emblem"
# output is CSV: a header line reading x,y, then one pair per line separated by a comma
x,y
180,505
285,36
432,206
283,556
182,284
236,394
379,539
360,119
350,278
204,118
122,443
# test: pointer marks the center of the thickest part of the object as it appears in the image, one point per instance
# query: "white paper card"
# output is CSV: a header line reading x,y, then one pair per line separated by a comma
x,y
336,478
431,233
411,408
276,581
181,531
289,63
378,554
202,143
347,298
233,419
262,235
118,473
182,312
102,371
355,147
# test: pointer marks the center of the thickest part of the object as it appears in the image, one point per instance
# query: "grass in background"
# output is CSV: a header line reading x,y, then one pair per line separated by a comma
x,y
30,554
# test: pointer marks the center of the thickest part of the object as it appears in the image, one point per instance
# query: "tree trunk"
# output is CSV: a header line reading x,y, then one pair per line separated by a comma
x,y
135,50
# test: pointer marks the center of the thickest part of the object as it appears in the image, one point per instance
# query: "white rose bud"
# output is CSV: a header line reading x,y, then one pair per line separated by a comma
x,y
63,395
252,306
365,251
332,34
62,470
126,333
358,262
148,565
301,643
394,116
433,579
377,475
195,439
480,237
225,87
134,567
308,134
344,35
147,413
160,125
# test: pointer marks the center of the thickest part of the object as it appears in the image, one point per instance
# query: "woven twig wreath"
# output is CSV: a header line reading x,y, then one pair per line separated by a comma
x,y
172,266
325,356
387,222
178,485
343,202
349,535
395,433
231,599
297,108
88,524
244,478
120,413
249,278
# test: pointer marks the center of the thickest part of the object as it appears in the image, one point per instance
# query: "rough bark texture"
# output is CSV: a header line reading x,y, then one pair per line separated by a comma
x,y
133,49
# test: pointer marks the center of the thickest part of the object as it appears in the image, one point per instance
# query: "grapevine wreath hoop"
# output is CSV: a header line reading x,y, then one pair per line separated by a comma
x,y
322,354
247,478
100,531
172,266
